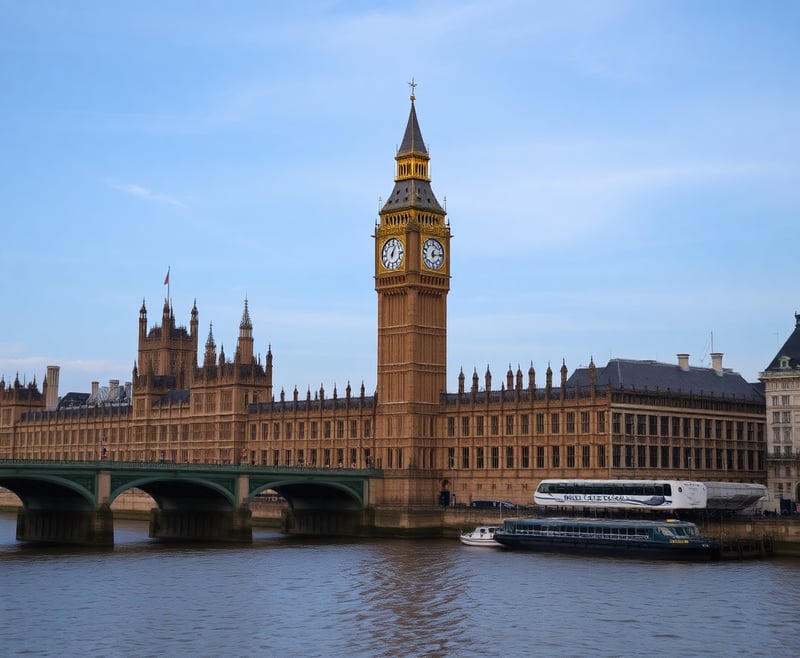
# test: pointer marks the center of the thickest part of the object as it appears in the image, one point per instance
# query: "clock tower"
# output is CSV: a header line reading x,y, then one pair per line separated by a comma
x,y
412,279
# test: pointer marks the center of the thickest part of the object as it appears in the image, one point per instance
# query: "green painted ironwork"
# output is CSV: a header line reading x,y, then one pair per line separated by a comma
x,y
81,476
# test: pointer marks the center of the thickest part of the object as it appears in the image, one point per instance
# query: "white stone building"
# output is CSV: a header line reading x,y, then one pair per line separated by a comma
x,y
781,381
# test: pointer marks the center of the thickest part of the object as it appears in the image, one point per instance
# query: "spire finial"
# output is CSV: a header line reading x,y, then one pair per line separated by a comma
x,y
413,86
246,323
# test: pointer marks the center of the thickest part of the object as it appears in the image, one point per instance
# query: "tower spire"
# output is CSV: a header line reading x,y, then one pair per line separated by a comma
x,y
244,347
412,138
245,325
210,356
412,187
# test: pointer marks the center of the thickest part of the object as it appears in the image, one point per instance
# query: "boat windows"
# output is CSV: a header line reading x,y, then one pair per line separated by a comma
x,y
624,531
607,488
683,530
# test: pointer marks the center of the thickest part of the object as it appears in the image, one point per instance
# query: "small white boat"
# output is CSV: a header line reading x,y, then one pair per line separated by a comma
x,y
483,535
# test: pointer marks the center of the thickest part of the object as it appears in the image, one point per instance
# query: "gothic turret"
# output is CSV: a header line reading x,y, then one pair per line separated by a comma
x,y
167,355
210,355
244,348
142,321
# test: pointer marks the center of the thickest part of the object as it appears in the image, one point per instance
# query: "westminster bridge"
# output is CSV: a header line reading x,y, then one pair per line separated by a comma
x,y
69,502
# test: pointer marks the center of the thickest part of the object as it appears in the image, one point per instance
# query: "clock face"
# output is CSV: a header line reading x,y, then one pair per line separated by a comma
x,y
432,254
392,254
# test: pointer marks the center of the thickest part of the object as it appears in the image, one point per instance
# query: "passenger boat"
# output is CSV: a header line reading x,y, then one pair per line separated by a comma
x,y
670,539
483,535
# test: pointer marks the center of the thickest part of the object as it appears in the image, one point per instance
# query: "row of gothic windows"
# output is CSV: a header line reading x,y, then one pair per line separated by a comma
x,y
550,423
326,429
622,456
571,422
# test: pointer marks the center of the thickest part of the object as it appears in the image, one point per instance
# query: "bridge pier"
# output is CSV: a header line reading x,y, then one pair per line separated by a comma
x,y
202,525
59,526
325,522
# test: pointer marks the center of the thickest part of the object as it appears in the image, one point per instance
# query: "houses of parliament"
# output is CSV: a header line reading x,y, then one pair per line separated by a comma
x,y
494,437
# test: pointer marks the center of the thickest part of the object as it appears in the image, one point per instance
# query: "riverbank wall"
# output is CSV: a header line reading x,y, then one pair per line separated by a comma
x,y
777,535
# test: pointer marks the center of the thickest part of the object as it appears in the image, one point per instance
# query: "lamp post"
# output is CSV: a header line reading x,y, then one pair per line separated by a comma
x,y
452,479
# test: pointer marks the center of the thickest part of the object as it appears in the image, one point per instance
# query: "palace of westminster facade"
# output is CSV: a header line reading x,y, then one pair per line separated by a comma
x,y
626,419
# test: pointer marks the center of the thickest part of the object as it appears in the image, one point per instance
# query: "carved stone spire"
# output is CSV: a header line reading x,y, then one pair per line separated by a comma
x,y
210,356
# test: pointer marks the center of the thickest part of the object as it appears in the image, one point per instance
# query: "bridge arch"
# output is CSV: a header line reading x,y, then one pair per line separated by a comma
x,y
306,493
170,493
51,492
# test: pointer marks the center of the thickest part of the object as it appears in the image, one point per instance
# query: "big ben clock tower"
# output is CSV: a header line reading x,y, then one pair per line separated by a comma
x,y
412,279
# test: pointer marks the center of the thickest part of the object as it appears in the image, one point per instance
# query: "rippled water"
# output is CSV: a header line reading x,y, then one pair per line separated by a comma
x,y
285,597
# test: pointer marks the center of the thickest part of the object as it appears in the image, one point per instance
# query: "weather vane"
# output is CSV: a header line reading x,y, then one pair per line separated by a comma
x,y
413,86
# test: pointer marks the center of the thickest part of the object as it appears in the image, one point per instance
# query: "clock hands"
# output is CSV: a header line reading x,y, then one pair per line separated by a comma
x,y
432,254
392,254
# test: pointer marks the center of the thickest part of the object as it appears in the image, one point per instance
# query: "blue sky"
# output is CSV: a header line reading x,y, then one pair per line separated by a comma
x,y
622,178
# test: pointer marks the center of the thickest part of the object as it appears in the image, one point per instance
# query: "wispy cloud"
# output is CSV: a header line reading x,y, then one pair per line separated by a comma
x,y
147,194
568,202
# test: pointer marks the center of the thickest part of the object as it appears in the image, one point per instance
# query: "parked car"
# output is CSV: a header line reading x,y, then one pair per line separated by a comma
x,y
492,504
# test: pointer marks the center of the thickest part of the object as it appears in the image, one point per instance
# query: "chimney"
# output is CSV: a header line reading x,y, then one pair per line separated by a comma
x,y
113,390
52,388
683,362
95,391
716,362
128,391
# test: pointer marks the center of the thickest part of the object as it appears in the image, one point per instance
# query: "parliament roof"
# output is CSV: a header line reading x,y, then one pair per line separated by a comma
x,y
655,375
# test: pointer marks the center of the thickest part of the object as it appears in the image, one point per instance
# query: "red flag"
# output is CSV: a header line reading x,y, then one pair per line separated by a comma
x,y
166,278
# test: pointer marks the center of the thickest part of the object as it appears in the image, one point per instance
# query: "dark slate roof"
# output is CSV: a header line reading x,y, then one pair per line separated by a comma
x,y
171,397
791,348
72,399
174,332
168,382
652,375
412,193
412,140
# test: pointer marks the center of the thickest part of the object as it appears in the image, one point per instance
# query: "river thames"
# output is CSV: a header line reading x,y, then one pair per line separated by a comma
x,y
292,597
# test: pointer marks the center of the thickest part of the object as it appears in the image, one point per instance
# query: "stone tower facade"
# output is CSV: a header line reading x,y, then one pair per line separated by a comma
x,y
167,353
412,279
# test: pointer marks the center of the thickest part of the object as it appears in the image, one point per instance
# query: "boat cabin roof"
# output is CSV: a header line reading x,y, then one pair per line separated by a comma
x,y
616,523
